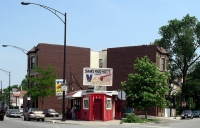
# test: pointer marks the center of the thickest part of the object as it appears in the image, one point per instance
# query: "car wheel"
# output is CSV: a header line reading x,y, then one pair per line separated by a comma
x,y
24,118
43,119
38,119
28,119
57,116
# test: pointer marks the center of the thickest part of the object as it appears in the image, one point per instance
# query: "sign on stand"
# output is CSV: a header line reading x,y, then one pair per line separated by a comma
x,y
183,104
98,76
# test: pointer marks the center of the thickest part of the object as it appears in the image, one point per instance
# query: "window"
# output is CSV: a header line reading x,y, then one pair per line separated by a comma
x,y
76,103
32,83
100,63
85,103
32,62
37,60
162,64
108,103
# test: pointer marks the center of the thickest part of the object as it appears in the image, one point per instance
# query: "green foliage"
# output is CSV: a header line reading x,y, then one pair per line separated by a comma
x,y
147,87
181,39
24,84
193,85
132,118
44,85
178,103
190,103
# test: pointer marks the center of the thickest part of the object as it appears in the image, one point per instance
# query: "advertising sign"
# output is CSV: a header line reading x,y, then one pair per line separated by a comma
x,y
97,76
16,94
58,87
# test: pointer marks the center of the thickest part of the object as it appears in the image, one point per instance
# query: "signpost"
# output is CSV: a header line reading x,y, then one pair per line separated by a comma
x,y
183,104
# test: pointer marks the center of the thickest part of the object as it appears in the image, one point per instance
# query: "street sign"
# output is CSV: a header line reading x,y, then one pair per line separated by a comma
x,y
122,95
64,88
183,104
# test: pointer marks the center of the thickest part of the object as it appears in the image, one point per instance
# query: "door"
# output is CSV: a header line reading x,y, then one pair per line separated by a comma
x,y
97,109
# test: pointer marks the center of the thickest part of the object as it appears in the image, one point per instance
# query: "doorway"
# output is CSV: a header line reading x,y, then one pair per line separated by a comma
x,y
97,109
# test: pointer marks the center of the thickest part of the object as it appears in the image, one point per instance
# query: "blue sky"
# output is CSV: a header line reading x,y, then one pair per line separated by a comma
x,y
95,24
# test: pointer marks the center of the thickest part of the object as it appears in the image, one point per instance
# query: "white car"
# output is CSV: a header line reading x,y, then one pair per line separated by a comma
x,y
35,114
13,113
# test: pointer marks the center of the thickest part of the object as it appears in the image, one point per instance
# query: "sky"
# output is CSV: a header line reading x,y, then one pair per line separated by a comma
x,y
94,24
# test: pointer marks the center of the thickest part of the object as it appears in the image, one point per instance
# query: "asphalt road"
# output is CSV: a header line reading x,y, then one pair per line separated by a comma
x,y
20,123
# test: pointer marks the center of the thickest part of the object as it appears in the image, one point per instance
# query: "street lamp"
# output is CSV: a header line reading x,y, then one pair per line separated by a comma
x,y
54,11
26,52
7,72
1,90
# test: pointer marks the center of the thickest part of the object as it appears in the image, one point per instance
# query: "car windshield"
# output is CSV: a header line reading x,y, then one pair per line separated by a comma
x,y
51,110
129,110
36,109
186,111
14,110
195,111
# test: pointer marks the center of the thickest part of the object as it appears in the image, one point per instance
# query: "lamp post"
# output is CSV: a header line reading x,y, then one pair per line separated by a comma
x,y
26,52
54,11
1,90
7,72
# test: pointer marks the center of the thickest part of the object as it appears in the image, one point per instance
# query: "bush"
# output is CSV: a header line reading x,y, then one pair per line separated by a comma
x,y
132,118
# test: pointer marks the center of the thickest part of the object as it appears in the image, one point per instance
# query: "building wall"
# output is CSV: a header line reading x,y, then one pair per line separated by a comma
x,y
103,56
76,59
94,59
95,63
122,60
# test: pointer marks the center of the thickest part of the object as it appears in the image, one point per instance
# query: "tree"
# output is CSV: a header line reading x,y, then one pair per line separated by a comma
x,y
193,84
147,87
44,84
24,84
181,39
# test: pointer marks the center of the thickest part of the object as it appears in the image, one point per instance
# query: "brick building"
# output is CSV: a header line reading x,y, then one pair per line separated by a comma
x,y
121,59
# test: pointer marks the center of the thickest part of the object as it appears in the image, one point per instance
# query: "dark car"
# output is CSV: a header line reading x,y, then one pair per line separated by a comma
x,y
196,113
51,112
127,111
187,114
13,113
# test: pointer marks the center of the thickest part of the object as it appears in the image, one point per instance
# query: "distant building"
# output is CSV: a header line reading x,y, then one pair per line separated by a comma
x,y
121,59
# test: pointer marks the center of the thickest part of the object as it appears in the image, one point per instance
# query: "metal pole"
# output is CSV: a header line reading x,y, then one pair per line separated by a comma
x,y
121,104
9,89
29,74
1,90
16,102
64,71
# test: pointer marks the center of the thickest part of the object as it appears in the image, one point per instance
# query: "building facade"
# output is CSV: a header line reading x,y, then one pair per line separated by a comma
x,y
120,59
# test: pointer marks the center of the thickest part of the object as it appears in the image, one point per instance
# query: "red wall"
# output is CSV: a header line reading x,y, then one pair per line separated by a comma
x,y
85,113
88,114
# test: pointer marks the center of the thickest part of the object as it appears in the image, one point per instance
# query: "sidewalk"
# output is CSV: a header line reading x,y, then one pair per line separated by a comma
x,y
82,122
111,122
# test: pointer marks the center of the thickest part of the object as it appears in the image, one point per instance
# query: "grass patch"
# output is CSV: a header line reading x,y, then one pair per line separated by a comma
x,y
134,119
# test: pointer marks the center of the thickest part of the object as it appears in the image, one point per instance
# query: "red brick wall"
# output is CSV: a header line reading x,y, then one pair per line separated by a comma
x,y
122,60
76,59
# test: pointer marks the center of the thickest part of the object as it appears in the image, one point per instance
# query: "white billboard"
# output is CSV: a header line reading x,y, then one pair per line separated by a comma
x,y
98,76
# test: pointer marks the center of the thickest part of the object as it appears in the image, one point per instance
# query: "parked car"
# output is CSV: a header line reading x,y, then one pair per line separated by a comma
x,y
13,113
35,114
187,114
21,111
127,111
196,113
51,112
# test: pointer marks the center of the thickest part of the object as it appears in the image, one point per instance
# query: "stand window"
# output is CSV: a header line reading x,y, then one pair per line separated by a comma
x,y
108,103
85,103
